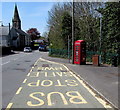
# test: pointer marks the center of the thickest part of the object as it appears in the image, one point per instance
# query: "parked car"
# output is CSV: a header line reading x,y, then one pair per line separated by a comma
x,y
27,49
42,48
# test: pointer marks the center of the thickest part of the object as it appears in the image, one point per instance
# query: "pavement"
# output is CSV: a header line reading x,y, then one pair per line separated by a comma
x,y
103,79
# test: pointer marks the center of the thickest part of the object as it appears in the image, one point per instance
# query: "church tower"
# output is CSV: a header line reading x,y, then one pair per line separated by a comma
x,y
16,22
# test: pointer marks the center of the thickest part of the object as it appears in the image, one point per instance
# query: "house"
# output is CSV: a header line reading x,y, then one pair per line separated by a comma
x,y
13,37
4,42
18,38
4,31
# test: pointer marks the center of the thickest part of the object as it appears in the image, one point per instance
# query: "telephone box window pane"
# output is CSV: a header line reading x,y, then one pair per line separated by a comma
x,y
76,60
77,48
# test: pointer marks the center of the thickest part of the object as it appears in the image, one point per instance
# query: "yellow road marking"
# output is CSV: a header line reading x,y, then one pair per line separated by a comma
x,y
82,82
19,90
24,80
84,85
9,106
36,62
30,70
28,74
77,78
62,96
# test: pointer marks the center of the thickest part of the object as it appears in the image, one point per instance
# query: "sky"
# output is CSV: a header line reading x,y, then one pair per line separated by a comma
x,y
32,14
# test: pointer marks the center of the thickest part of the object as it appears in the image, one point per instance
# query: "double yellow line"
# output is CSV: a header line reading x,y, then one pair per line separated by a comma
x,y
20,88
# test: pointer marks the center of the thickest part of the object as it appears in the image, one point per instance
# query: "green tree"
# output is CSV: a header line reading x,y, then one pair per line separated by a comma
x,y
86,23
113,30
66,28
111,27
55,23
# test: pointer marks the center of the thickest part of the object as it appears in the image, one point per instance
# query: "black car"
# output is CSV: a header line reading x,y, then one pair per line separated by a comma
x,y
42,48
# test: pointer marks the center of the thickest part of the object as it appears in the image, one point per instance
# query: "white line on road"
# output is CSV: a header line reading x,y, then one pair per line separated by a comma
x,y
12,60
15,59
5,63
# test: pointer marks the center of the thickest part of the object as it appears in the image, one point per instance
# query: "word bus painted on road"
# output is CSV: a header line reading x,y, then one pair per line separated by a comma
x,y
74,98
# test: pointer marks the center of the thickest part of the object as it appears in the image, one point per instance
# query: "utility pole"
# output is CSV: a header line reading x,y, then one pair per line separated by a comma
x,y
9,40
73,32
100,30
100,36
69,48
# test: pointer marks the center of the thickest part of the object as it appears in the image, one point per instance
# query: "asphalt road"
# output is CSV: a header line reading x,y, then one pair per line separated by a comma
x,y
31,82
14,70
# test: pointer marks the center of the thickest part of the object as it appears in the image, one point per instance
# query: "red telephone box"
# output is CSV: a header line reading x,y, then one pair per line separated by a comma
x,y
80,52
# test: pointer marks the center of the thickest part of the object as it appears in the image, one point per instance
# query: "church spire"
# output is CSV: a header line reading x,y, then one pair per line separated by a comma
x,y
16,22
16,14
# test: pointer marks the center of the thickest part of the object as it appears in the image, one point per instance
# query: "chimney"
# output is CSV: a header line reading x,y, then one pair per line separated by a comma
x,y
9,27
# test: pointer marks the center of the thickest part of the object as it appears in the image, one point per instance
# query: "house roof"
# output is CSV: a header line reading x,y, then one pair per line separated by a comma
x,y
21,32
4,31
14,32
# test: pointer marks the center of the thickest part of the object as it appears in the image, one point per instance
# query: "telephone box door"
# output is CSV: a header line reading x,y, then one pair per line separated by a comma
x,y
79,52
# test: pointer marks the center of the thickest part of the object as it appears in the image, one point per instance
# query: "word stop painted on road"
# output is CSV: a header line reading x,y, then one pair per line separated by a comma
x,y
47,83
